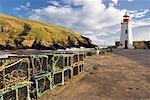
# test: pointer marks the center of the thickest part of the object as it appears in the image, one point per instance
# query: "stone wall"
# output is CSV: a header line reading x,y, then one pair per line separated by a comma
x,y
138,44
141,44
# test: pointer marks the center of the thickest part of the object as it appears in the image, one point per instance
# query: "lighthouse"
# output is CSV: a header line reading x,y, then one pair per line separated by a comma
x,y
126,40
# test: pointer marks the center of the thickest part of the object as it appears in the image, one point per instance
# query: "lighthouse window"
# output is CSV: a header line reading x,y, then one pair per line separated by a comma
x,y
126,31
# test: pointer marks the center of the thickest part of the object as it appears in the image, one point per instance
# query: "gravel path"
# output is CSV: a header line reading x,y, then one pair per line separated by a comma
x,y
121,75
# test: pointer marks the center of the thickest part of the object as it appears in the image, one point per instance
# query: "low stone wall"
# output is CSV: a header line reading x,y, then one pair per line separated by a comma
x,y
141,44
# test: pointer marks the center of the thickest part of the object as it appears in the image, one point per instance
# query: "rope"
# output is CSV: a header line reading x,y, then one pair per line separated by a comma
x,y
58,57
4,66
43,85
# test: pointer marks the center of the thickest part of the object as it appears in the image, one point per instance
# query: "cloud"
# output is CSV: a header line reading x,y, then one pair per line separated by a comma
x,y
115,1
141,22
139,14
141,29
91,18
22,7
55,3
28,4
141,33
17,8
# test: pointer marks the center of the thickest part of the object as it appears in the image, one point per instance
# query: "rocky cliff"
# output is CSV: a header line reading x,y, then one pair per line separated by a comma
x,y
16,33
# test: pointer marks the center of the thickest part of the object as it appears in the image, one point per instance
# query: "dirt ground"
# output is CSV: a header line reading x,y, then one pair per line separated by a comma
x,y
120,75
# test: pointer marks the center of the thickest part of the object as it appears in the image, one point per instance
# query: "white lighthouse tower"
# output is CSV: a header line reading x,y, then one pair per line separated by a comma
x,y
126,40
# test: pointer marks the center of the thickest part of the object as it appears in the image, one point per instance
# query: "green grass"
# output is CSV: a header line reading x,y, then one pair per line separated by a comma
x,y
39,31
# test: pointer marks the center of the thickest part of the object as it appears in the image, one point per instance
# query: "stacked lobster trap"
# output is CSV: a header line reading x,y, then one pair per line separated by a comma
x,y
78,63
40,75
26,76
60,68
14,79
91,52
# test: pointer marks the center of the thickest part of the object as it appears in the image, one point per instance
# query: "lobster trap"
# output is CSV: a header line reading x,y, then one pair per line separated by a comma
x,y
81,68
41,83
39,64
58,79
61,61
75,70
14,71
78,58
26,76
78,63
67,74
19,91
81,63
60,67
92,52
40,75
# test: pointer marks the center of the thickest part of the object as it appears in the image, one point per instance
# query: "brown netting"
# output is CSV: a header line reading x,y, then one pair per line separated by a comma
x,y
40,65
81,57
69,61
89,54
75,70
37,65
11,95
22,93
58,78
67,74
16,73
44,64
75,58
33,89
66,61
80,68
50,62
43,84
1,81
59,62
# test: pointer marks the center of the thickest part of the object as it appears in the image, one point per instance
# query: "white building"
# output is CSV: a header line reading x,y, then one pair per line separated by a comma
x,y
126,40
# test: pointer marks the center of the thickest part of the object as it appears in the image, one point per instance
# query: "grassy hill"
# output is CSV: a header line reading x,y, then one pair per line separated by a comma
x,y
16,33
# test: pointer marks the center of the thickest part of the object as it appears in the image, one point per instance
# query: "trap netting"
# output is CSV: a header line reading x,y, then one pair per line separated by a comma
x,y
39,64
40,85
57,79
81,56
43,84
75,71
58,62
75,58
16,93
14,72
67,74
81,68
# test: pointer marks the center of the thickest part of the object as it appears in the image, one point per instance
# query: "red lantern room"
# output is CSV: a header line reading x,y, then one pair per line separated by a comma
x,y
126,18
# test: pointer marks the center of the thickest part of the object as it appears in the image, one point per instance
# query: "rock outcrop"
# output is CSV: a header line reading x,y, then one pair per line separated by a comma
x,y
18,33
